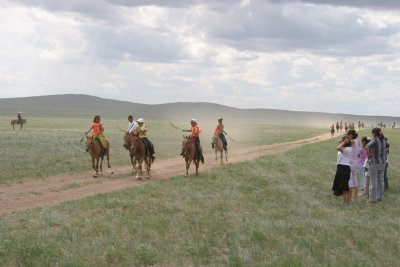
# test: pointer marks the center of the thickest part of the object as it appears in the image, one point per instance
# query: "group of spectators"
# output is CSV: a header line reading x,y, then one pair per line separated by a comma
x,y
369,157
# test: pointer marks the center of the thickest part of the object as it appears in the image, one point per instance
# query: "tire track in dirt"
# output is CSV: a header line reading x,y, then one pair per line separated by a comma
x,y
33,193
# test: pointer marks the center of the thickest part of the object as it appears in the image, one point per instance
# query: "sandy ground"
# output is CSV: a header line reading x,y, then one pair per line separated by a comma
x,y
33,193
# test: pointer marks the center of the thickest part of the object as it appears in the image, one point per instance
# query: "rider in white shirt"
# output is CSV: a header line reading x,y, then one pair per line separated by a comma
x,y
132,125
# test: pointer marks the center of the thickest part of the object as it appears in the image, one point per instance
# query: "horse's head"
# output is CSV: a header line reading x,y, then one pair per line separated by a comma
x,y
186,143
127,140
89,143
215,139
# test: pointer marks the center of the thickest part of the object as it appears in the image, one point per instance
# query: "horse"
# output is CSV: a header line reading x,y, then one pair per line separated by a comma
x,y
337,127
219,147
93,147
128,146
21,122
139,150
332,130
190,154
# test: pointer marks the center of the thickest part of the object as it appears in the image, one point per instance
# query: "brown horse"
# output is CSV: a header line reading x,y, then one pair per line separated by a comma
x,y
219,147
97,153
332,130
128,146
190,154
139,150
21,122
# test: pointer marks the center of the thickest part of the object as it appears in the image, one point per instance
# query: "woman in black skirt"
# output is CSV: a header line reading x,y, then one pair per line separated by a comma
x,y
342,177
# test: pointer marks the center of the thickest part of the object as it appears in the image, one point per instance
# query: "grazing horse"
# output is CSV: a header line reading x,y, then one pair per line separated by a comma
x,y
97,153
139,150
190,154
21,122
219,147
128,146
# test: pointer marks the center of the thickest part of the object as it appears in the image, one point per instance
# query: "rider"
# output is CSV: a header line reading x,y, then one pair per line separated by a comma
x,y
97,129
196,130
142,131
219,131
132,125
19,116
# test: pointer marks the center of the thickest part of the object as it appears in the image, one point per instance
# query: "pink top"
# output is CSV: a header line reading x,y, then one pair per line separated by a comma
x,y
363,155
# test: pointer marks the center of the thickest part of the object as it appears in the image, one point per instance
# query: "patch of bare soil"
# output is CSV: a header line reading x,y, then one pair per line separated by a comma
x,y
33,193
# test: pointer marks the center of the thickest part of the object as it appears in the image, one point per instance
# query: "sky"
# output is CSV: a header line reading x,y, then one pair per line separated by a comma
x,y
330,56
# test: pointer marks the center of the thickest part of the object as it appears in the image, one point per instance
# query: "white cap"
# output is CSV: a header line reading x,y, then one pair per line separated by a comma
x,y
140,120
193,120
19,112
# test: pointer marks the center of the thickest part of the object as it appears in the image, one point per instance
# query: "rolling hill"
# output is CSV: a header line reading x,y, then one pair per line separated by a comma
x,y
73,105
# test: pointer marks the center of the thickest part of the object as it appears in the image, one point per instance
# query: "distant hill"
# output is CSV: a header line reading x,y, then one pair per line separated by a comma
x,y
84,106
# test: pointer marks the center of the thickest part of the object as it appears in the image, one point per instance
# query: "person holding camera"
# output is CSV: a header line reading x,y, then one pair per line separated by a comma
x,y
341,182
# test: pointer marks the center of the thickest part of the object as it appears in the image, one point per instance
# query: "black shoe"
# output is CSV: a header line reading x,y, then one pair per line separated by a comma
x,y
212,145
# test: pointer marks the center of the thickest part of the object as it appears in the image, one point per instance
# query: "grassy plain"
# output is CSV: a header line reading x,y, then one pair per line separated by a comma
x,y
274,211
50,146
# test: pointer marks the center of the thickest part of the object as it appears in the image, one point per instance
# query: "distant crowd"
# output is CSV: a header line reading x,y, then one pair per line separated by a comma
x,y
366,156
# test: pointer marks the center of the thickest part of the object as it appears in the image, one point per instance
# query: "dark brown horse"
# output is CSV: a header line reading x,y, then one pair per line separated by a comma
x,y
141,154
97,153
21,122
190,154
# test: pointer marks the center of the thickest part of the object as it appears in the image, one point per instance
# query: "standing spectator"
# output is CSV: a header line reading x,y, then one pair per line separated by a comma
x,y
362,157
356,147
385,176
367,178
342,176
377,149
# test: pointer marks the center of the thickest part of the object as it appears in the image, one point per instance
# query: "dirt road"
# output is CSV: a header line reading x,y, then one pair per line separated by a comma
x,y
34,193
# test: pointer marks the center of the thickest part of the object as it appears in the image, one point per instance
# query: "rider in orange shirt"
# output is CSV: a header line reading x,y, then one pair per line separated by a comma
x,y
97,129
219,131
195,131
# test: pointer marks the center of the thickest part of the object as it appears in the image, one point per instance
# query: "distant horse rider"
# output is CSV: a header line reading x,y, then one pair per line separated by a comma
x,y
142,131
195,131
19,117
220,132
97,129
132,125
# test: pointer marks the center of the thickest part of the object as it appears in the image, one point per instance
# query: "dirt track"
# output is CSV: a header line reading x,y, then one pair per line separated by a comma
x,y
51,190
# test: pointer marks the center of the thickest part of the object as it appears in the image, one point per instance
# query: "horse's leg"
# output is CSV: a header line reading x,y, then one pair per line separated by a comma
x,y
148,167
187,166
139,172
197,163
133,162
94,164
226,155
222,156
101,165
216,155
108,159
13,126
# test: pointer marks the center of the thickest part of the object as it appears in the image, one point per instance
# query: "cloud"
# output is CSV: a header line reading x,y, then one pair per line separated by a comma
x,y
301,55
370,4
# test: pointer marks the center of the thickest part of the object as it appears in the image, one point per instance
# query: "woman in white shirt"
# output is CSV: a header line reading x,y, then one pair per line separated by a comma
x,y
343,170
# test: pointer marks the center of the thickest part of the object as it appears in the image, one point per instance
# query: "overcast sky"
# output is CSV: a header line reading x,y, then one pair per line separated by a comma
x,y
296,55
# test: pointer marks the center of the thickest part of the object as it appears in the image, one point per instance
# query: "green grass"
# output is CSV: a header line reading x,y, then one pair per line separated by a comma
x,y
49,146
274,211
